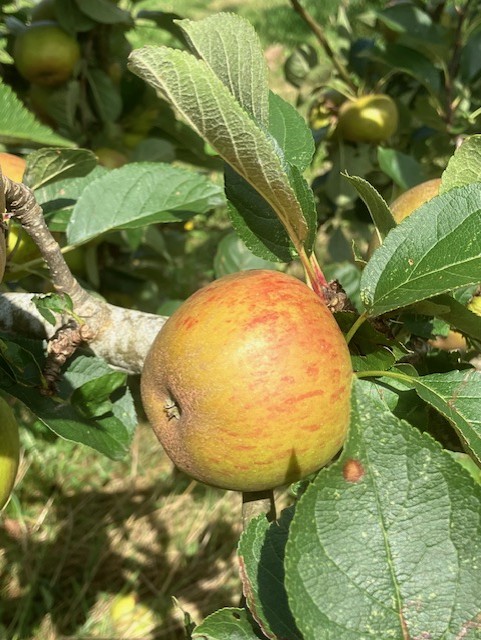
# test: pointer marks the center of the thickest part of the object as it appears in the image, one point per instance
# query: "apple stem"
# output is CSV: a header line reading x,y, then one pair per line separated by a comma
x,y
255,503
314,276
359,321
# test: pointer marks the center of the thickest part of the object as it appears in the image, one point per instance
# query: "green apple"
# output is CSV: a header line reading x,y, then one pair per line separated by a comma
x,y
45,54
110,158
369,118
9,451
248,383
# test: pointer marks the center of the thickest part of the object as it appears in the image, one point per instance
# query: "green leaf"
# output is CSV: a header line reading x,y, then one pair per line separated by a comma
x,y
413,63
232,49
232,255
208,107
457,396
290,130
17,124
46,166
261,557
458,316
379,210
434,250
110,434
103,11
464,166
370,349
404,170
93,397
225,624
51,303
386,542
108,103
139,194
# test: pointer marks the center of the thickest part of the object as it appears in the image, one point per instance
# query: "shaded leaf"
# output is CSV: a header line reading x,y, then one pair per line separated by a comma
x,y
46,166
405,170
261,556
457,396
225,624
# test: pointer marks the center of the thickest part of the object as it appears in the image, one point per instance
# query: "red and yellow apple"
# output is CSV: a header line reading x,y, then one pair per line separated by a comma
x,y
248,383
369,118
9,451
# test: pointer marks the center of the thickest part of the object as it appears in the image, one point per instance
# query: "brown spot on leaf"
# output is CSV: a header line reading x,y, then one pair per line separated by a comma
x,y
353,471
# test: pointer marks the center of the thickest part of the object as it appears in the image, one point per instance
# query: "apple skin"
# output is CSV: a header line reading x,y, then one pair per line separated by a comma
x,y
248,383
370,118
9,451
406,203
45,54
12,166
413,198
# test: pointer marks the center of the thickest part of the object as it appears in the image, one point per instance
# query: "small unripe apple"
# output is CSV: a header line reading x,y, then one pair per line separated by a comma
x,y
248,383
370,118
9,451
110,158
45,54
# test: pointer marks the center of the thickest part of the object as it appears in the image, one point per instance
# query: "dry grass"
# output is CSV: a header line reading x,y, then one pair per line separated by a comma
x,y
82,531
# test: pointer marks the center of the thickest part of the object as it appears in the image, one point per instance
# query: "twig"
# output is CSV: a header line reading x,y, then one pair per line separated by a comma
x,y
21,205
255,503
320,35
121,336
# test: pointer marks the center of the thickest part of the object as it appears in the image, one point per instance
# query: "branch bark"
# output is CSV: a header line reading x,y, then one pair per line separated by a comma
x,y
121,336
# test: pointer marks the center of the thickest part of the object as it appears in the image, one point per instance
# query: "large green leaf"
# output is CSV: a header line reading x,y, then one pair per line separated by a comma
x,y
386,542
206,105
232,49
17,124
139,194
434,250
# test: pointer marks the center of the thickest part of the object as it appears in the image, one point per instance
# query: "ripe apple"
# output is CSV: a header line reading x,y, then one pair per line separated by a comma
x,y
12,166
45,54
9,451
248,383
370,118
